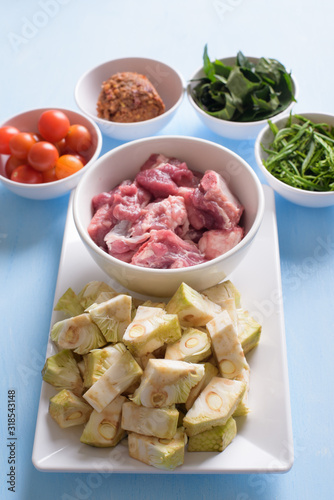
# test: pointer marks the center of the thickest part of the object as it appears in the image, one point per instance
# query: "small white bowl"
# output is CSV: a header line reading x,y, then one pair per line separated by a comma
x,y
27,122
200,155
295,195
226,128
167,81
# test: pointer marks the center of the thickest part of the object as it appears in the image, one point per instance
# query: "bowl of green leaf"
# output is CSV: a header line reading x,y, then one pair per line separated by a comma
x,y
296,155
235,96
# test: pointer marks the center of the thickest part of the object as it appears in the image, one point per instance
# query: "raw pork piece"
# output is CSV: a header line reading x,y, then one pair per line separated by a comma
x,y
128,201
101,224
125,202
198,219
102,199
157,183
174,173
218,241
165,250
180,174
169,213
214,198
154,161
120,241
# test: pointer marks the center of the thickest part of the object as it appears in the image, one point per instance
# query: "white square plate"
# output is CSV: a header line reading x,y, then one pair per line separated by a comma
x,y
264,440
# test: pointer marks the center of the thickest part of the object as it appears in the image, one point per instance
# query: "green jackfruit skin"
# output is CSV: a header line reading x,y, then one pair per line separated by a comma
x,y
216,439
61,371
69,304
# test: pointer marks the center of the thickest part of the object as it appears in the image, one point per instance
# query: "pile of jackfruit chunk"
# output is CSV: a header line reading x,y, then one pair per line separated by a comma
x,y
169,376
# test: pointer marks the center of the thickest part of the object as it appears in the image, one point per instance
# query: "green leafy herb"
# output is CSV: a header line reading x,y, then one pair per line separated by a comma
x,y
243,92
302,154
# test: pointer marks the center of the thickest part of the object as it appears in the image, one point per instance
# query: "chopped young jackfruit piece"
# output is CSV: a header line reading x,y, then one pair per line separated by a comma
x,y
104,429
69,304
150,329
249,331
226,345
89,293
123,372
68,410
61,371
160,453
210,372
112,317
193,346
222,291
216,439
97,362
192,308
158,422
166,382
214,406
229,306
79,333
243,408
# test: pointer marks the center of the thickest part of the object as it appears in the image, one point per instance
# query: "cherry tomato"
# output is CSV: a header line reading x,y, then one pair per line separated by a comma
x,y
43,156
78,138
11,164
6,133
38,137
67,165
53,125
27,175
20,144
49,175
61,146
81,158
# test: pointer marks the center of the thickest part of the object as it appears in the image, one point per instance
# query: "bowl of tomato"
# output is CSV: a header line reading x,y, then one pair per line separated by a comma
x,y
44,152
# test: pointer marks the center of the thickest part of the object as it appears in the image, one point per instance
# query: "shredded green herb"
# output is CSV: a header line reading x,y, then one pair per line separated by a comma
x,y
302,154
244,92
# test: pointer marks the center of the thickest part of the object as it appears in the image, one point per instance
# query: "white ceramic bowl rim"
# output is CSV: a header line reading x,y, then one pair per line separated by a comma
x,y
258,150
230,122
130,124
254,228
31,187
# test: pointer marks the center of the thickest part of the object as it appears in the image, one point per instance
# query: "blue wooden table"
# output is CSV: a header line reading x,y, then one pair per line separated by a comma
x,y
45,47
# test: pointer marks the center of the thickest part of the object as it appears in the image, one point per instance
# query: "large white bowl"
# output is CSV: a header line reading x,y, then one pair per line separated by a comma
x,y
27,122
295,195
226,128
167,81
123,163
